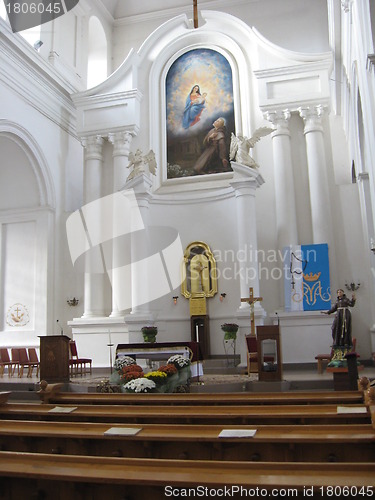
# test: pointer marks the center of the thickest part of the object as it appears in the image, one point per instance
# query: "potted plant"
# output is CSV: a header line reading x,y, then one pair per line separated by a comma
x,y
230,331
149,333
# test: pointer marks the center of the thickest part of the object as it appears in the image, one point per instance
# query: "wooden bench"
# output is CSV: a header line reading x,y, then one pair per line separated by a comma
x,y
65,476
183,414
51,393
342,443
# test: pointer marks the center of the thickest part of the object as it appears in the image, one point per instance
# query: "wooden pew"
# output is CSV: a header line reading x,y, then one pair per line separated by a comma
x,y
66,476
53,395
342,443
205,414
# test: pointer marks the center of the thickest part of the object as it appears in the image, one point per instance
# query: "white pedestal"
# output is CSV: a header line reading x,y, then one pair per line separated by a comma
x,y
304,335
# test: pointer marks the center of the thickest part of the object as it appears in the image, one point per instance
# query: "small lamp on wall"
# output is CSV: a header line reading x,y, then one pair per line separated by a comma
x,y
73,302
222,296
175,299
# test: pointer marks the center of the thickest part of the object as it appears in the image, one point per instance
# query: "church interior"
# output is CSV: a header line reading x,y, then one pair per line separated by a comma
x,y
182,167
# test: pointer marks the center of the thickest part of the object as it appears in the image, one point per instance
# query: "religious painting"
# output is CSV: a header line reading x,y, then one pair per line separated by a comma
x,y
307,283
200,114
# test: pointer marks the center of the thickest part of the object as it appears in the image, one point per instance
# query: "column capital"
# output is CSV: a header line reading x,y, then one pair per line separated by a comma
x,y
93,147
280,119
121,142
312,117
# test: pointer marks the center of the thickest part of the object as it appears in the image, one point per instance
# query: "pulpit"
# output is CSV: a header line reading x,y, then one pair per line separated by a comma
x,y
269,371
54,358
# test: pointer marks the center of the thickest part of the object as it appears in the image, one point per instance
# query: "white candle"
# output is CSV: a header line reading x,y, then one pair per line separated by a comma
x,y
197,333
109,333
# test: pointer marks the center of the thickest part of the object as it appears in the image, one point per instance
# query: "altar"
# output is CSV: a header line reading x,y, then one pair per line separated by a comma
x,y
160,351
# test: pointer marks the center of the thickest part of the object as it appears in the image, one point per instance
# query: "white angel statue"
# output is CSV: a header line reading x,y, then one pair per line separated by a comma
x,y
240,146
138,162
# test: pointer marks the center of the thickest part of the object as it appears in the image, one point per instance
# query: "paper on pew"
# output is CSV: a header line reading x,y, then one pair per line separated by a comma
x,y
237,433
62,409
122,431
351,409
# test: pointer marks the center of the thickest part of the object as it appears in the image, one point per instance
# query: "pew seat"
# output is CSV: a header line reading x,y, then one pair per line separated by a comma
x,y
205,414
313,443
65,476
52,394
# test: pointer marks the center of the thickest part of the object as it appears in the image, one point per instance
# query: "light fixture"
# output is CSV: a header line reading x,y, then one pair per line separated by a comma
x,y
372,245
37,44
352,286
222,296
73,302
175,299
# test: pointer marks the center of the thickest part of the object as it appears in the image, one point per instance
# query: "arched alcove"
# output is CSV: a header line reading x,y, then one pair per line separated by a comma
x,y
97,61
19,185
26,236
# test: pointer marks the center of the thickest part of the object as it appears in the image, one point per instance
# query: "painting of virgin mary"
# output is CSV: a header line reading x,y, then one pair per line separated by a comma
x,y
200,114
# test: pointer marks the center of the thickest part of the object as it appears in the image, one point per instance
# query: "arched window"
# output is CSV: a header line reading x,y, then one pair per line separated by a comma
x,y
97,62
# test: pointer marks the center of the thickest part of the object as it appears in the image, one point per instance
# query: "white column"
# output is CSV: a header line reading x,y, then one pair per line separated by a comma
x,y
286,214
95,273
121,145
247,232
245,190
318,179
140,290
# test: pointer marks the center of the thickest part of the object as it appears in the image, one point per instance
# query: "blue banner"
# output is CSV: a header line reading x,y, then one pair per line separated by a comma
x,y
307,283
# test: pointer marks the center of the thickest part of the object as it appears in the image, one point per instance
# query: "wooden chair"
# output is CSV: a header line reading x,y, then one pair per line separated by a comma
x,y
24,361
76,362
327,357
5,361
252,354
15,360
34,361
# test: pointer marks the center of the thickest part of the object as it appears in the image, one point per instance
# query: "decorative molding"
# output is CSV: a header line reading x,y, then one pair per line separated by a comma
x,y
34,80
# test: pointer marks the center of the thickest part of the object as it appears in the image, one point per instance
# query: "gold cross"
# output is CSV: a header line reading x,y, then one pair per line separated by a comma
x,y
251,300
195,6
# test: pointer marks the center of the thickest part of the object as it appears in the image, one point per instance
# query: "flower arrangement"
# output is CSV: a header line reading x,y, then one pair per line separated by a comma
x,y
230,331
169,369
178,361
123,361
131,372
149,333
229,327
157,377
140,385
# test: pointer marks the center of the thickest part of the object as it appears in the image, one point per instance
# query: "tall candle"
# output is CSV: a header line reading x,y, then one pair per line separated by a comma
x,y
109,333
197,333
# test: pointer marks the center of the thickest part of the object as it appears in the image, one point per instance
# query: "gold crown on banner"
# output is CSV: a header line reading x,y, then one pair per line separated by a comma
x,y
312,277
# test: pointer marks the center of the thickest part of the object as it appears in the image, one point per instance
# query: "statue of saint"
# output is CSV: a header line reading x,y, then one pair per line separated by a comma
x,y
342,324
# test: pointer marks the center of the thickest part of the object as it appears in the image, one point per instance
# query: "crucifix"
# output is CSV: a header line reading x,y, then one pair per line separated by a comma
x,y
251,300
195,6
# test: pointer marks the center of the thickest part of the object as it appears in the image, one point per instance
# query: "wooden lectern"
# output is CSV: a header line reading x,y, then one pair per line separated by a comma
x,y
269,371
54,358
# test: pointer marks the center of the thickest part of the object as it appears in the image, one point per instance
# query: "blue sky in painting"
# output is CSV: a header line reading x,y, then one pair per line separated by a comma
x,y
211,71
